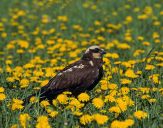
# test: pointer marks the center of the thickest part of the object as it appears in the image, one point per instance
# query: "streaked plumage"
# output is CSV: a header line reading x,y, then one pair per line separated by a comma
x,y
83,75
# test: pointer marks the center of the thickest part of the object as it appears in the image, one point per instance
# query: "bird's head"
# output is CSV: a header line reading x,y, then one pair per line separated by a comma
x,y
94,52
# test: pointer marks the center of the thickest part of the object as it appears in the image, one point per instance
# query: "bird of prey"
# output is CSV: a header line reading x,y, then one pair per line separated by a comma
x,y
80,76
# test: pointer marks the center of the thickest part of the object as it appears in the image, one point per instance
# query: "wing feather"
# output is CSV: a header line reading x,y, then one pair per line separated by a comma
x,y
73,76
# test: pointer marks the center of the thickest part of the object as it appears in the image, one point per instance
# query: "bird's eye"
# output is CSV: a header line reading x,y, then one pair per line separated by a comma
x,y
96,50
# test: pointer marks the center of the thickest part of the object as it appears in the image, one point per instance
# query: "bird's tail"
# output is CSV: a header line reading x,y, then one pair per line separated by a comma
x,y
44,94
39,94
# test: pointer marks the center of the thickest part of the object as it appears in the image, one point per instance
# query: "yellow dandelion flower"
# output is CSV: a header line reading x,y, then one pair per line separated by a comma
x,y
122,124
62,18
152,100
43,83
161,91
139,72
2,96
125,81
2,89
20,51
129,19
115,109
106,60
54,102
138,52
77,113
142,17
51,113
129,122
121,104
15,126
116,124
23,118
154,89
128,100
113,92
1,70
140,114
75,103
124,90
112,55
149,67
8,62
38,73
140,38
10,79
109,98
158,58
145,96
126,64
45,19
17,104
112,86
157,41
160,64
21,13
23,43
130,73
28,65
49,73
144,90
148,10
9,69
17,101
62,99
100,119
146,43
155,78
50,42
98,102
44,103
42,122
84,97
4,35
123,46
85,119
104,84
33,99
24,83
67,93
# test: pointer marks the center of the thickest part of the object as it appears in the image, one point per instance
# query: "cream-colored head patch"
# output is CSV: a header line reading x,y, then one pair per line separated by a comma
x,y
96,55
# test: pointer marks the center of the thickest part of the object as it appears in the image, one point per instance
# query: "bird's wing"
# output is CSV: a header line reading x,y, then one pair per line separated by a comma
x,y
78,74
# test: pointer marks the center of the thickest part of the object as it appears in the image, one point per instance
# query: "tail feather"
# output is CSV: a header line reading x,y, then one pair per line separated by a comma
x,y
38,94
43,94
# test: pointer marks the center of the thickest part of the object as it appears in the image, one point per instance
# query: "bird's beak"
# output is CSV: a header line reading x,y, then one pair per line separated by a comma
x,y
103,52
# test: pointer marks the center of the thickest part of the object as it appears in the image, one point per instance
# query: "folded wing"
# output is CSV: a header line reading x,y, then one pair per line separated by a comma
x,y
75,78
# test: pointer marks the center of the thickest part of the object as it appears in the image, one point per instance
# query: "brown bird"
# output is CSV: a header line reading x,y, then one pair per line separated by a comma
x,y
82,75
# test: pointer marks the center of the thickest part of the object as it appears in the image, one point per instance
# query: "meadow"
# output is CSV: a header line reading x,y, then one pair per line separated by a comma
x,y
40,37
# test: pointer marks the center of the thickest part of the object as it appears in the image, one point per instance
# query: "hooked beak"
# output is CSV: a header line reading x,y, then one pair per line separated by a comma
x,y
103,52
